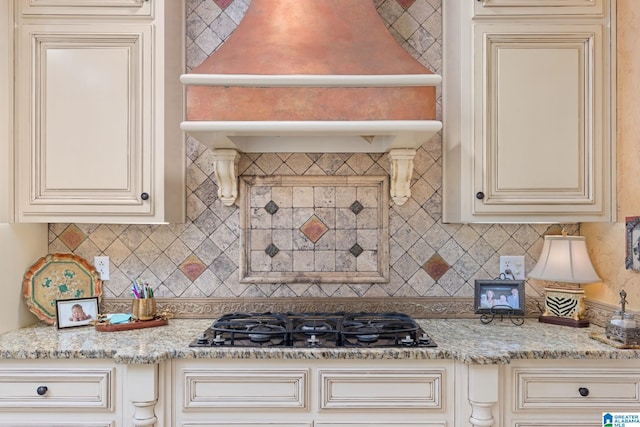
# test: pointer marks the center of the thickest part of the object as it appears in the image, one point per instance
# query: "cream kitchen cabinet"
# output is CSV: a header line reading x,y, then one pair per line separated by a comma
x,y
74,392
528,111
6,113
568,393
98,107
320,393
60,393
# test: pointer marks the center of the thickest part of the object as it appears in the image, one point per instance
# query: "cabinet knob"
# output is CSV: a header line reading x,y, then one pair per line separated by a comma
x,y
584,392
42,390
144,196
479,195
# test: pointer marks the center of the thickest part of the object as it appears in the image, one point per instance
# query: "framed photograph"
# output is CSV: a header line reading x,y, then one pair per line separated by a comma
x,y
499,296
76,312
632,260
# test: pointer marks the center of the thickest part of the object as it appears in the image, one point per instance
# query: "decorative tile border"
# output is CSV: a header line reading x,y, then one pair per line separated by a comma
x,y
211,308
314,229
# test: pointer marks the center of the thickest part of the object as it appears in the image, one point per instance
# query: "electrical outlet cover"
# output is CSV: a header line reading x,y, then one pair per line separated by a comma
x,y
101,263
515,263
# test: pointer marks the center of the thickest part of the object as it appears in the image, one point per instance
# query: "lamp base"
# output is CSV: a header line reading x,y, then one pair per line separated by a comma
x,y
564,306
564,321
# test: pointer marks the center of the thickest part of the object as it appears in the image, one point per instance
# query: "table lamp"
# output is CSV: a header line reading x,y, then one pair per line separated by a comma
x,y
565,261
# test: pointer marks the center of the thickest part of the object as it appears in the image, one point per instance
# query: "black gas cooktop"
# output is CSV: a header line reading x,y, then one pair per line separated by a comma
x,y
314,330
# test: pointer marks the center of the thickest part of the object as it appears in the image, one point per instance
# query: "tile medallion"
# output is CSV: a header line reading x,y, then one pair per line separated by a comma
x,y
314,229
327,229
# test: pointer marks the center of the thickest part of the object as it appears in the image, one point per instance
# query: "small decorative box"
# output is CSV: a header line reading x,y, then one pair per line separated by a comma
x,y
627,336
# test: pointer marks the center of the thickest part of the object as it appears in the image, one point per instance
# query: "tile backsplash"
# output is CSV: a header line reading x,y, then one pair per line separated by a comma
x,y
203,256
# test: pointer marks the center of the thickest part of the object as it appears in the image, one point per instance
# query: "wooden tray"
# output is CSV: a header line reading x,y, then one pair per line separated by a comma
x,y
598,336
138,324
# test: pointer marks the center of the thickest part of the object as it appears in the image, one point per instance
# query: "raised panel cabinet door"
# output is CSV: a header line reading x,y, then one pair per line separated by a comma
x,y
84,113
540,142
538,7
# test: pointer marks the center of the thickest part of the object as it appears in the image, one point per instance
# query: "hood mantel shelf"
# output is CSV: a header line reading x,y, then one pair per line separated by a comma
x,y
399,138
311,76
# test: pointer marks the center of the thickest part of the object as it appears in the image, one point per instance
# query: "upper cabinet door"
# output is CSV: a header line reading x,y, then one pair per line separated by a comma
x,y
539,140
84,108
98,108
539,7
528,113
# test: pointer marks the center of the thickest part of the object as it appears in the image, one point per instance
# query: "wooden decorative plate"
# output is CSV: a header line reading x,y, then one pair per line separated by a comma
x,y
58,276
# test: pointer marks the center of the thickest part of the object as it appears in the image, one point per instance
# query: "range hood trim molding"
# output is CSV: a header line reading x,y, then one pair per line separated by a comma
x,y
311,80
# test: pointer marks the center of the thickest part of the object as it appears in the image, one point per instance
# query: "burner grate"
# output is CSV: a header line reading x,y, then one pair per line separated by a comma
x,y
314,330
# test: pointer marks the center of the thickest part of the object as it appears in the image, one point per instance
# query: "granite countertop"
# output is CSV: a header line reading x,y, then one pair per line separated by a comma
x,y
468,341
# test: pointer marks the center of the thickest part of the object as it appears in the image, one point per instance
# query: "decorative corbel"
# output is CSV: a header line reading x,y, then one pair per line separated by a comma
x,y
225,163
401,170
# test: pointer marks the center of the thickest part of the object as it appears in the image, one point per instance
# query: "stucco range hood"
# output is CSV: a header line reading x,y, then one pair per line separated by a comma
x,y
311,76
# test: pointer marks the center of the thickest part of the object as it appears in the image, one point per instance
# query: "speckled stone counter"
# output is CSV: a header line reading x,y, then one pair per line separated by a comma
x,y
468,341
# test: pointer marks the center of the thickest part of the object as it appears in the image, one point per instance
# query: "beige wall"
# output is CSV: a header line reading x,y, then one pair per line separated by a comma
x,y
607,241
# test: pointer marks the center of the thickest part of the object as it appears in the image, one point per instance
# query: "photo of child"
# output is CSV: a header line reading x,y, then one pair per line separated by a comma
x,y
78,314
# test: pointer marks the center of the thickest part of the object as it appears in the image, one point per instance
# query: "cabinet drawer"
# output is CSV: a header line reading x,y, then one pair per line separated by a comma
x,y
398,424
61,389
86,7
246,389
570,388
554,423
247,424
381,389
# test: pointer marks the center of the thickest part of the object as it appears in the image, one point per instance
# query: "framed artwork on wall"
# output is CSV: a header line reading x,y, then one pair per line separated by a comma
x,y
632,260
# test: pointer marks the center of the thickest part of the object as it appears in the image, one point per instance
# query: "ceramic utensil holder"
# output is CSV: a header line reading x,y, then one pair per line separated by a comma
x,y
144,308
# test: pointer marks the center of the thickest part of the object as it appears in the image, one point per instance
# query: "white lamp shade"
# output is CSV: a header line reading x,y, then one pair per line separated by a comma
x,y
565,259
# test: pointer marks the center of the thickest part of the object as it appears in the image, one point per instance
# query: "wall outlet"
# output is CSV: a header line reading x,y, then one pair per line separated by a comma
x,y
101,263
513,263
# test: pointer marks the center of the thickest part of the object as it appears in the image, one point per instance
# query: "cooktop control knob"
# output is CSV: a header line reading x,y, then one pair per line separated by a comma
x,y
407,340
313,341
202,339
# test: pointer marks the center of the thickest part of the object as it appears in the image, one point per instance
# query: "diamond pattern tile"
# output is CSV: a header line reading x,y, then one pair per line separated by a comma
x,y
436,267
314,229
72,236
192,267
406,3
272,250
222,4
200,258
356,250
356,207
271,207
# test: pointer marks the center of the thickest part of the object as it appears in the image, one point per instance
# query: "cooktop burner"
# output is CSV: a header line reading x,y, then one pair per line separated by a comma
x,y
314,330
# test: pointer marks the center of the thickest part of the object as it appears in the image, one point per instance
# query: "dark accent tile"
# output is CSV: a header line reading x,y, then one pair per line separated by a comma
x,y
436,267
272,250
356,250
271,207
356,207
